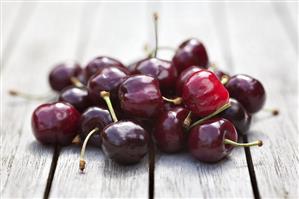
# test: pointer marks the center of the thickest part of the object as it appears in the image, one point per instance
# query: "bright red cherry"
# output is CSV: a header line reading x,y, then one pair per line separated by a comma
x,y
248,91
100,62
190,53
60,76
203,93
160,69
140,95
214,139
55,123
169,131
184,76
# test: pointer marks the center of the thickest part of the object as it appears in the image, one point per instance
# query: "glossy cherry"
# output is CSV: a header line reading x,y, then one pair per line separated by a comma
x,y
214,139
191,52
203,93
55,123
78,97
248,91
99,63
94,117
184,76
106,79
140,95
131,67
169,131
60,76
238,115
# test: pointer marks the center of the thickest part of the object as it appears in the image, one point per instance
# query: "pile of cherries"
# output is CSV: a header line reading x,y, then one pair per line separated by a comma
x,y
182,103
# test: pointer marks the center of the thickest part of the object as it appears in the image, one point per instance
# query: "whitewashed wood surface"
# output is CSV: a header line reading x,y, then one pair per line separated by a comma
x,y
259,39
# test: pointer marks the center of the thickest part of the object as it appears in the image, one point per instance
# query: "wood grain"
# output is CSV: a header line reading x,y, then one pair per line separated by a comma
x,y
179,175
261,48
25,163
115,35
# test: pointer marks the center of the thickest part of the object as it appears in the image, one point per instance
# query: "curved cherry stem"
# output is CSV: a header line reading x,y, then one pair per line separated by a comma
x,y
82,162
273,111
224,107
188,120
156,17
76,82
27,96
175,101
106,96
255,143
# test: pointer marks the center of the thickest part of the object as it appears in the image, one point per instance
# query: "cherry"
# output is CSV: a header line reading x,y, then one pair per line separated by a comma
x,y
184,76
169,131
222,76
140,95
131,67
106,79
60,76
78,97
214,139
191,52
248,91
99,63
94,117
55,123
160,69
237,114
203,93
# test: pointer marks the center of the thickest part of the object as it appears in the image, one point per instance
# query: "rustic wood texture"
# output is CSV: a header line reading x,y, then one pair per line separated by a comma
x,y
259,39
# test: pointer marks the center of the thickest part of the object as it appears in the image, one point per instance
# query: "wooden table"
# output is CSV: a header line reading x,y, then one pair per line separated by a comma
x,y
259,39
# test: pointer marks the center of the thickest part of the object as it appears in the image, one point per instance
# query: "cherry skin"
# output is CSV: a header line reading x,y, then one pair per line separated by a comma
x,y
169,131
191,52
183,77
94,117
203,93
238,115
248,91
106,79
99,63
160,69
140,95
131,67
78,97
206,141
60,75
55,123
125,142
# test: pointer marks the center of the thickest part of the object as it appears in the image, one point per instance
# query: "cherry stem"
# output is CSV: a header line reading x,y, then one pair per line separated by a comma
x,y
213,67
188,120
76,82
175,101
28,96
224,107
255,143
76,140
273,111
82,162
106,96
224,79
156,17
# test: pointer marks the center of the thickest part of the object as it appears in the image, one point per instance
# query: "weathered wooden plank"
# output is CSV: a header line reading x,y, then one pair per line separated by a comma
x,y
261,48
116,31
179,175
49,37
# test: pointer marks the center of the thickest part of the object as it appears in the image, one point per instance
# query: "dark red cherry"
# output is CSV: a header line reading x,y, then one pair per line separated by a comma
x,y
60,75
169,131
107,79
206,141
160,69
125,142
78,97
183,77
140,95
248,91
94,117
238,115
203,93
221,74
55,123
190,53
100,62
